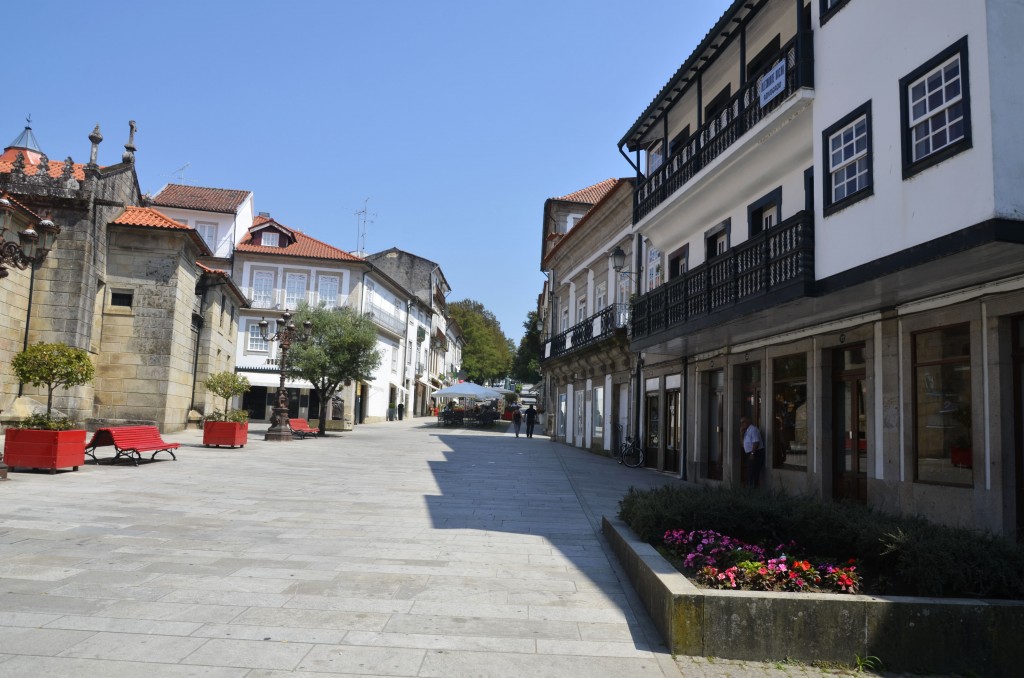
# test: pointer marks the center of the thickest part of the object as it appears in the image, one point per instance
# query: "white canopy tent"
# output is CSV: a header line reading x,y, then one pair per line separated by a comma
x,y
467,390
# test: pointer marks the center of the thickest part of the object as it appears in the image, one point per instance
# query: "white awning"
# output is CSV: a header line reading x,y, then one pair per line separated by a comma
x,y
271,380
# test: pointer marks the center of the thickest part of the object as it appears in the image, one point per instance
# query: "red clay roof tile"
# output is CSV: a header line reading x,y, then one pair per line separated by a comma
x,y
32,164
590,194
200,198
147,216
304,245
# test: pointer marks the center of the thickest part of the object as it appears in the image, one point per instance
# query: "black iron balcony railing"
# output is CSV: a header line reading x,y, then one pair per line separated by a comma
x,y
586,332
715,136
779,259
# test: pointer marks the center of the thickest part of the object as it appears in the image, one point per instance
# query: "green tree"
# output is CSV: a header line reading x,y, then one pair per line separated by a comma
x,y
526,363
53,365
342,346
488,352
227,385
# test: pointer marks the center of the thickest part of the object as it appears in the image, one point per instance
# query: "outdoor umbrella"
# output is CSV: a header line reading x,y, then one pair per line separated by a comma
x,y
467,390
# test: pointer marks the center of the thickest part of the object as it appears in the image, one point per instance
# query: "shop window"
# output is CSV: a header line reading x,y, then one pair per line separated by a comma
x,y
789,412
943,432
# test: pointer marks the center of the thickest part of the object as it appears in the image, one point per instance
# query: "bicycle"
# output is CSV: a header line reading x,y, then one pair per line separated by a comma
x,y
630,453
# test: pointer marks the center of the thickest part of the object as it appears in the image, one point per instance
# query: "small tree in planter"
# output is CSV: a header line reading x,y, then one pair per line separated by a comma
x,y
230,427
42,440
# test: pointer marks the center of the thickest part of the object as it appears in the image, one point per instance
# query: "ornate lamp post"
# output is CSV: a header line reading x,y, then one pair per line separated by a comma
x,y
280,429
32,246
30,250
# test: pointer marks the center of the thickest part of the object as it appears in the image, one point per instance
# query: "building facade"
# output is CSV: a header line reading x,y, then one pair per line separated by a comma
x,y
838,224
438,341
586,363
122,282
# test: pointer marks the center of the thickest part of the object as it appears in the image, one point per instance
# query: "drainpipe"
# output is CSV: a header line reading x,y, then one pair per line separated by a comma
x,y
28,317
195,351
684,409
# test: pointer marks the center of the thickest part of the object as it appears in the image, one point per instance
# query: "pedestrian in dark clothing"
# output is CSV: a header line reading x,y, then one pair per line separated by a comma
x,y
517,420
531,419
753,448
401,411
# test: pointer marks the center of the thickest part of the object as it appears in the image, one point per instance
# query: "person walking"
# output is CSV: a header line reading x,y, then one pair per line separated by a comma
x,y
517,420
753,448
531,419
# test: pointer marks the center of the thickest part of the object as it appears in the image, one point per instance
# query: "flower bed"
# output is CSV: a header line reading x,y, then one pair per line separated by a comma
x,y
718,561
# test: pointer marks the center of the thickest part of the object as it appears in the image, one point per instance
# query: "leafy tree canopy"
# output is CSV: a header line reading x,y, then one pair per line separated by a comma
x,y
226,385
53,365
342,346
488,352
526,363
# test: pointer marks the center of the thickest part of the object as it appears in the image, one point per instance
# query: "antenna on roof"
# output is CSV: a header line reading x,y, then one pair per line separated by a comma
x,y
180,173
361,221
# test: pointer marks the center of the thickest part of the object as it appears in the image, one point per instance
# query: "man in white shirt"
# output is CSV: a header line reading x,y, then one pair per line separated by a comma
x,y
753,450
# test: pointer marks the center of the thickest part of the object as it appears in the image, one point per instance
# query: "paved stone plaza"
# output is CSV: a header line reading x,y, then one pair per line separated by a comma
x,y
399,549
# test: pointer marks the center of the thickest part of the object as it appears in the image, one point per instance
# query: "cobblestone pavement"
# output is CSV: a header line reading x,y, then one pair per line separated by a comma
x,y
397,549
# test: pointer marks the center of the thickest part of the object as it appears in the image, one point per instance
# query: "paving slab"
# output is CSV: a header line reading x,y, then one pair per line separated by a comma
x,y
398,548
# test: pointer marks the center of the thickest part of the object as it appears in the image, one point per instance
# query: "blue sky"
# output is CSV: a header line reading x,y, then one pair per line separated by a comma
x,y
451,121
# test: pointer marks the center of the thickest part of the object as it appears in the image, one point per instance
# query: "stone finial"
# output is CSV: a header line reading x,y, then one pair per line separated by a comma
x,y
95,138
18,166
44,166
129,148
69,168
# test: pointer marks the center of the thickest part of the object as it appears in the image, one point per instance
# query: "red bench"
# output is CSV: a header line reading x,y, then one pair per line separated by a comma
x,y
130,442
301,428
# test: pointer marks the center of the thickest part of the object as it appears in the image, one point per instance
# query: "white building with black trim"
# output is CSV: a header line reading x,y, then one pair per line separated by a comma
x,y
832,190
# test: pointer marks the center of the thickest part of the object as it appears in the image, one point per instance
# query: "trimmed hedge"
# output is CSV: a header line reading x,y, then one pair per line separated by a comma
x,y
898,555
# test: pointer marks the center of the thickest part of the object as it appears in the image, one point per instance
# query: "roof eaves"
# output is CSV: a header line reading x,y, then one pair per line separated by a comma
x,y
734,8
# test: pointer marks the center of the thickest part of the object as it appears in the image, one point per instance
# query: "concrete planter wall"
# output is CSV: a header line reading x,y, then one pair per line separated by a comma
x,y
937,635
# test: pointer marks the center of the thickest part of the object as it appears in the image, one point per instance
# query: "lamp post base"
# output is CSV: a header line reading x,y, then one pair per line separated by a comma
x,y
281,430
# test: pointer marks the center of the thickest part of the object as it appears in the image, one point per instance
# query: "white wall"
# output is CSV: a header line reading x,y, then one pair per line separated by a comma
x,y
859,56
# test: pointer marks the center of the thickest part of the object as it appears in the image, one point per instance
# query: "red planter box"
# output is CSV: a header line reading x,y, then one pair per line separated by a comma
x,y
33,448
227,433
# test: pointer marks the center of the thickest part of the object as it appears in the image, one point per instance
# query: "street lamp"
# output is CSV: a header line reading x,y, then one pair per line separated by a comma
x,y
32,245
619,262
280,428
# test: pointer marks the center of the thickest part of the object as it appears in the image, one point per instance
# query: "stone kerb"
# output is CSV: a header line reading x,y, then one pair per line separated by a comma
x,y
937,635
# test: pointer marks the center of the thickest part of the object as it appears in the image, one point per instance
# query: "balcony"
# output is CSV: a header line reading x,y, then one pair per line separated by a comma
x,y
741,113
387,321
770,268
280,299
599,326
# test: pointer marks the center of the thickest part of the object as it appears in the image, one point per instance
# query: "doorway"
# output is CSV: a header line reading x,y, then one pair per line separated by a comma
x,y
673,432
749,406
652,431
849,424
715,430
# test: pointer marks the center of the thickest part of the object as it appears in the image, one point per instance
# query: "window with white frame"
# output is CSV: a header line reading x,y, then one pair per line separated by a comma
x,y
256,342
263,289
935,103
581,309
208,232
394,358
654,277
847,148
327,288
655,156
565,319
600,296
294,289
270,239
